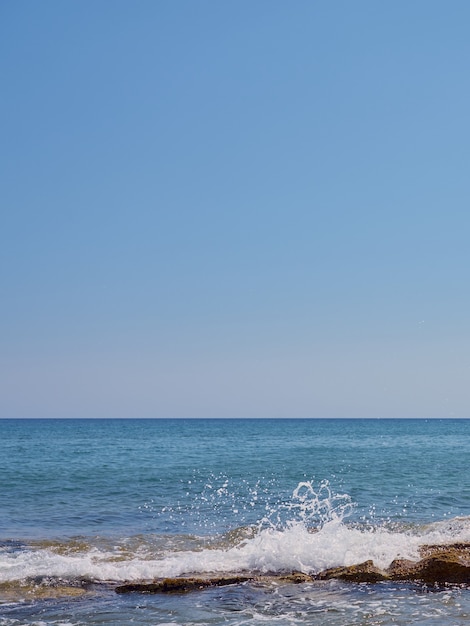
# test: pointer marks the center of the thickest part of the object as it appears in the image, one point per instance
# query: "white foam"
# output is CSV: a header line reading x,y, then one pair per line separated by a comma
x,y
271,550
274,548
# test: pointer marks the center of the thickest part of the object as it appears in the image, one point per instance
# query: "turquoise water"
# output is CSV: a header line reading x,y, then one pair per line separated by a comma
x,y
89,503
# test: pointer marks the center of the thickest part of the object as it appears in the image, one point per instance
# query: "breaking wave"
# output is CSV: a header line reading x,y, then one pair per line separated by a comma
x,y
308,533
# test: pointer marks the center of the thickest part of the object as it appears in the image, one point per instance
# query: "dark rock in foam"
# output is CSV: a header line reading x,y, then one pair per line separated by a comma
x,y
440,564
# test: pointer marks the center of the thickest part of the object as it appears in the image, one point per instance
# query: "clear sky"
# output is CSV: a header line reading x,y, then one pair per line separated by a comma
x,y
251,208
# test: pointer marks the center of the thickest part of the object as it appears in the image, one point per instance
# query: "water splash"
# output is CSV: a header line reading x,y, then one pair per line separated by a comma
x,y
212,504
307,531
217,503
312,507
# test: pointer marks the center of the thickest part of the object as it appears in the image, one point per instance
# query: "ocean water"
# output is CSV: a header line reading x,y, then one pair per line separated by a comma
x,y
88,504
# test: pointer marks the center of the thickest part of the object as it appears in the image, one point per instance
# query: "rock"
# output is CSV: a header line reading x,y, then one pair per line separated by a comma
x,y
295,578
441,564
11,592
459,550
444,567
365,572
400,569
182,584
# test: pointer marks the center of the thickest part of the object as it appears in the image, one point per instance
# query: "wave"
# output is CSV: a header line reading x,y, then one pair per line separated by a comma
x,y
269,546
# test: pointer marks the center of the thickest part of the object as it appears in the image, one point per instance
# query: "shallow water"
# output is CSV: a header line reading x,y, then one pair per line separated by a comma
x,y
332,603
86,504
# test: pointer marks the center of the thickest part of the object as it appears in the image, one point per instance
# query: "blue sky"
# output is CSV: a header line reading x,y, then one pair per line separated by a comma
x,y
234,209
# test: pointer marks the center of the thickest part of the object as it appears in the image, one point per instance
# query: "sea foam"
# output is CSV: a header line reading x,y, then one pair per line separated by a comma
x,y
315,536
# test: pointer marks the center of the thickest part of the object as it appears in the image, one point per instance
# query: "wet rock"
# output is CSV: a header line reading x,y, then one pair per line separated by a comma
x,y
400,569
365,572
295,578
184,584
442,568
440,564
459,550
20,592
181,585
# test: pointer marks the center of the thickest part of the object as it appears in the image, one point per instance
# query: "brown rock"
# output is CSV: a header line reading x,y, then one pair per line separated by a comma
x,y
441,564
459,550
441,568
10,592
400,569
444,568
184,584
295,578
181,585
365,572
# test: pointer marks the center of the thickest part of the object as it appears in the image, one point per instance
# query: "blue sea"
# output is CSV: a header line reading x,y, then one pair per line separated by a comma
x,y
88,504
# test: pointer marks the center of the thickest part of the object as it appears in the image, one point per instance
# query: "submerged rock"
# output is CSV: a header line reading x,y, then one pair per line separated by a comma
x,y
21,592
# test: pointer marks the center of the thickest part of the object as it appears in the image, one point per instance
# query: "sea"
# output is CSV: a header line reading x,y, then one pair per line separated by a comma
x,y
87,504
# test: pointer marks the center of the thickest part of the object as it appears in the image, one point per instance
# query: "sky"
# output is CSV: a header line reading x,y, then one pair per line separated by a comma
x,y
256,208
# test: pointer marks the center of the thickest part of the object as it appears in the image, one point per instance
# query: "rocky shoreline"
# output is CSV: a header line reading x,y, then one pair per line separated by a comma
x,y
439,565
